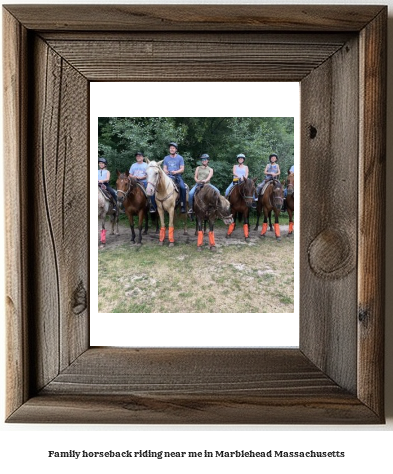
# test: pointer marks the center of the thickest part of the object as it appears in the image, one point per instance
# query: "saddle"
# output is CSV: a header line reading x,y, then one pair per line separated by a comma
x,y
233,187
143,189
265,186
107,195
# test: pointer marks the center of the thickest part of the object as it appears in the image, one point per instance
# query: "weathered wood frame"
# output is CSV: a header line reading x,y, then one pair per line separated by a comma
x,y
338,53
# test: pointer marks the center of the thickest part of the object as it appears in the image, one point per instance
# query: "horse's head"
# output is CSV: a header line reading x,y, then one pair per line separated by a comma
x,y
277,194
153,176
247,190
122,185
290,187
224,208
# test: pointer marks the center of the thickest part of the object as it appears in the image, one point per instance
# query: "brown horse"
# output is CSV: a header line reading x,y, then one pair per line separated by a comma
x,y
131,195
167,195
209,205
290,201
241,199
270,200
105,208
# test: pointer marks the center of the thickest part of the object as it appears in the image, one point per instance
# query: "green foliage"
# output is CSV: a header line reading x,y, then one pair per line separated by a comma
x,y
221,137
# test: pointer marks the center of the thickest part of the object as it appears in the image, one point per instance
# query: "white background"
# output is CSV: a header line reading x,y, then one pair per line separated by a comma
x,y
367,448
198,99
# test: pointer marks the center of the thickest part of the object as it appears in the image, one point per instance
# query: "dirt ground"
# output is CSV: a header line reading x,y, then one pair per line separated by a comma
x,y
240,277
237,237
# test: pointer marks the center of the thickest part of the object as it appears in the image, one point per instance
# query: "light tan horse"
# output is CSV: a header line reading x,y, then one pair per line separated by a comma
x,y
105,208
166,195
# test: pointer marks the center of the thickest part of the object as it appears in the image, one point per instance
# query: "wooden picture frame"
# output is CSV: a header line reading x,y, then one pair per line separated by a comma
x,y
338,54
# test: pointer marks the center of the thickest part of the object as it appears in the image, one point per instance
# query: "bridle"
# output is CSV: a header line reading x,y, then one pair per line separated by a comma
x,y
275,198
127,193
154,186
241,185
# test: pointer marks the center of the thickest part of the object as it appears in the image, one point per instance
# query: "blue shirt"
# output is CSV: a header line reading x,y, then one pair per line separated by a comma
x,y
102,175
271,168
173,163
138,170
292,169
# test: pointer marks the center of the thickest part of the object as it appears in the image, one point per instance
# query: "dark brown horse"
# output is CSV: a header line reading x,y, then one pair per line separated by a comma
x,y
132,197
241,199
290,201
270,200
209,205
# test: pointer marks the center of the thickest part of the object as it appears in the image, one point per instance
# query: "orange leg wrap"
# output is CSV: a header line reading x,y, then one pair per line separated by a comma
x,y
200,238
162,234
245,230
290,227
171,234
231,228
264,228
103,236
212,242
277,230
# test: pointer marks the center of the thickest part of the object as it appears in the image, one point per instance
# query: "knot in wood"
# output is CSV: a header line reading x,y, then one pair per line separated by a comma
x,y
80,299
330,254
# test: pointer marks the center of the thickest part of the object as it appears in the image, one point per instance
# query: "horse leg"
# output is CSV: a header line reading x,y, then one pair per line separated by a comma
x,y
232,226
171,228
245,226
162,228
290,214
270,221
259,208
277,226
212,241
200,233
132,228
103,233
141,215
264,225
146,217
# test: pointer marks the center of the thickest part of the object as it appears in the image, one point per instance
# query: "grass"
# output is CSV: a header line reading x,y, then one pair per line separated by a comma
x,y
238,278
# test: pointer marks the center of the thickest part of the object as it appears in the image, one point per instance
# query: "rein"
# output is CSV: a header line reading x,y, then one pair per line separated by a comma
x,y
155,186
240,191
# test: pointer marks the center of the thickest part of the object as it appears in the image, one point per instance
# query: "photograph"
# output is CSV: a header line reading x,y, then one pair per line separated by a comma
x,y
195,214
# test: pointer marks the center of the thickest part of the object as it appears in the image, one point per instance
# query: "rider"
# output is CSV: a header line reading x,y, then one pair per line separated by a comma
x,y
290,173
173,166
104,176
203,175
240,172
138,171
272,171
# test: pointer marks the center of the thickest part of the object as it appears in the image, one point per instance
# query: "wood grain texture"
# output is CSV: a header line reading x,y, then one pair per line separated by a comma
x,y
59,267
193,386
52,374
372,192
14,148
189,59
329,187
195,17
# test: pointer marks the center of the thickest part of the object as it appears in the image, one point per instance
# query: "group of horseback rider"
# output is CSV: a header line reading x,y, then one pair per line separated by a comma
x,y
173,166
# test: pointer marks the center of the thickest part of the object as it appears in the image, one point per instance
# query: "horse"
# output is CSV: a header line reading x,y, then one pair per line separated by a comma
x,y
105,208
270,200
133,198
290,202
209,205
167,195
241,199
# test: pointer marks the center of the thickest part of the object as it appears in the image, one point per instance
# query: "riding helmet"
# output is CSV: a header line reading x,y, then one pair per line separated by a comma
x,y
102,160
139,153
273,154
205,156
174,144
241,155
